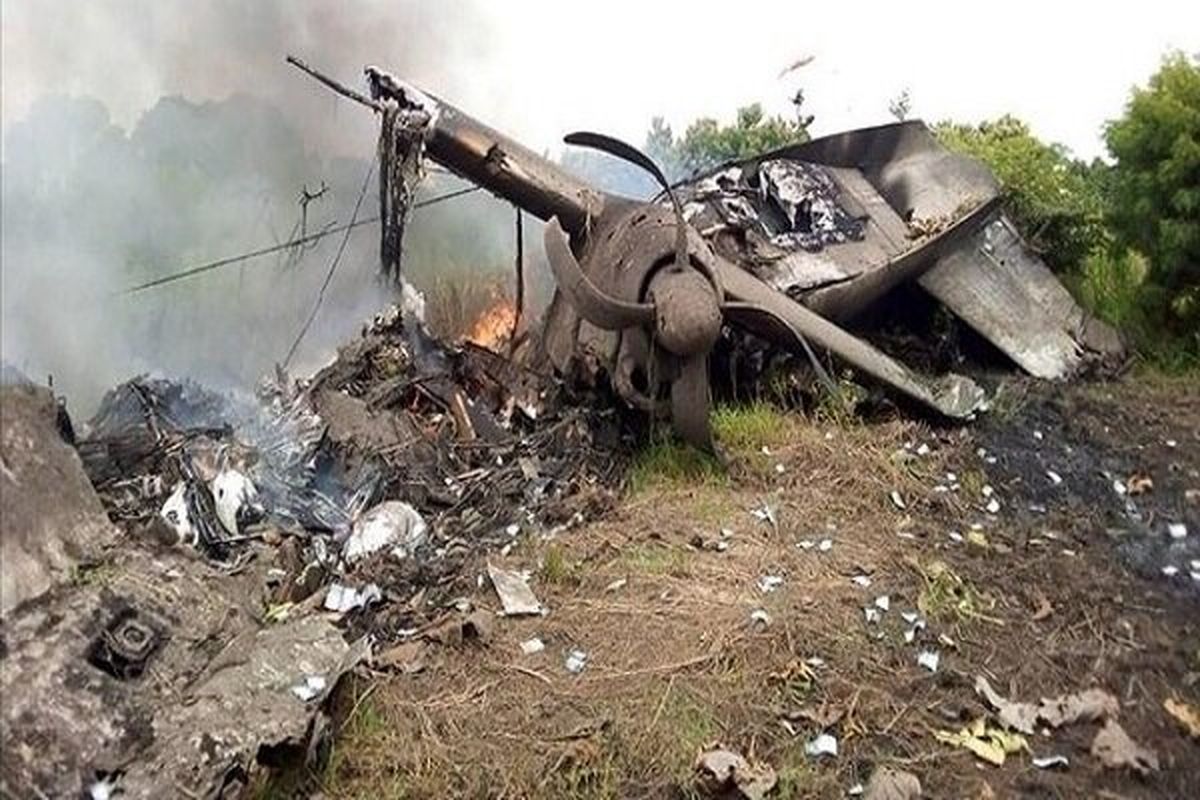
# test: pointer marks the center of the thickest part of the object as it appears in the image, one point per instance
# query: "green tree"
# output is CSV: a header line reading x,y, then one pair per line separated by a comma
x,y
707,143
1155,187
1056,200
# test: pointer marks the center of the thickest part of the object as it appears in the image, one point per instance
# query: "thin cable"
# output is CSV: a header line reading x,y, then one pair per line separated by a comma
x,y
333,265
303,240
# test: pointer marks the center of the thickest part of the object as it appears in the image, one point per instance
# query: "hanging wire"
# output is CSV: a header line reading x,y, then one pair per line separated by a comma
x,y
298,242
333,265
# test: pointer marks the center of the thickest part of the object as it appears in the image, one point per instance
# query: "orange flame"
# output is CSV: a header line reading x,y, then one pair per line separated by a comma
x,y
495,326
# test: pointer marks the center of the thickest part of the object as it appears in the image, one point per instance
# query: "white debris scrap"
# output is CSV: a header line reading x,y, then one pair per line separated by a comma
x,y
616,585
513,590
232,491
175,512
1054,477
531,646
310,688
861,580
1170,570
1176,530
824,745
342,598
765,514
993,506
769,583
825,545
897,500
391,524
576,661
760,616
883,602
1048,762
929,660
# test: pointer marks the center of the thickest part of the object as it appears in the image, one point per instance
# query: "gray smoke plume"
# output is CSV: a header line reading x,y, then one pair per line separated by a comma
x,y
144,137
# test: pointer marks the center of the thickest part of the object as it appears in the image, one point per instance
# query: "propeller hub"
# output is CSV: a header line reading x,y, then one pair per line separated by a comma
x,y
687,315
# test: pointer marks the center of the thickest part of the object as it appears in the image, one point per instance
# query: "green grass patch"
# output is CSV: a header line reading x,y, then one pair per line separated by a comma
x,y
588,772
972,482
742,431
748,428
98,574
1115,286
657,559
838,405
557,568
667,463
692,725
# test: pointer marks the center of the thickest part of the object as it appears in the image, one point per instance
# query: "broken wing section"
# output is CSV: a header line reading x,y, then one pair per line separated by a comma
x,y
921,212
999,287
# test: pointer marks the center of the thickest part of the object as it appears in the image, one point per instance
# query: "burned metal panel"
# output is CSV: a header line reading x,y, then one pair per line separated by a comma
x,y
156,670
796,226
843,301
911,170
50,519
998,286
901,188
138,670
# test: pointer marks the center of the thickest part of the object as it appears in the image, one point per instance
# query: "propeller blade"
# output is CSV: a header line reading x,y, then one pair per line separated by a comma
x,y
615,147
744,313
691,398
592,303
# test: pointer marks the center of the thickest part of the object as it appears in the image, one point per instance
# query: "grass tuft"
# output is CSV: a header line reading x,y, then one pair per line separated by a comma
x,y
557,569
749,428
652,559
668,463
948,596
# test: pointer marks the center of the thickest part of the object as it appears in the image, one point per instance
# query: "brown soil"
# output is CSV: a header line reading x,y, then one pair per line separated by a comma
x,y
1057,601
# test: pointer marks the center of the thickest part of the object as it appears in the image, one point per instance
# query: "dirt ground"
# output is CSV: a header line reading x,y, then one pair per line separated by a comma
x,y
1060,589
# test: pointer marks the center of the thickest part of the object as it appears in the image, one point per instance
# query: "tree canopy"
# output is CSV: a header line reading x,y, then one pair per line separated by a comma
x,y
1055,199
707,143
1155,183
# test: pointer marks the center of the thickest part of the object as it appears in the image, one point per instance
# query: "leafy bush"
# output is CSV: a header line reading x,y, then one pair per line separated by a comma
x,y
1056,200
1155,204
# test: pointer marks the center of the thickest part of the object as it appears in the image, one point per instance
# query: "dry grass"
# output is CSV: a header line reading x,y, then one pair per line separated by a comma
x,y
675,664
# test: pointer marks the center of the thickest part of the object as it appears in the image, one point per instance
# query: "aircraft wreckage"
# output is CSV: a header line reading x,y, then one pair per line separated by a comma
x,y
788,246
184,579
